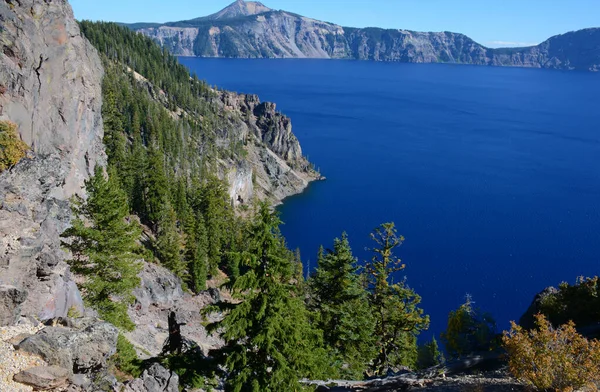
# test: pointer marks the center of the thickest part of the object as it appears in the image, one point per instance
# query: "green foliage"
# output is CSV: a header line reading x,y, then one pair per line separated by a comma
x,y
215,204
469,331
103,240
194,370
73,313
144,56
197,251
12,148
399,320
341,303
157,186
168,243
579,303
553,359
270,343
126,359
429,355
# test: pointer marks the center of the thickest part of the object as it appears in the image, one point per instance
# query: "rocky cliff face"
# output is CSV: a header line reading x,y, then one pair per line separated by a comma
x,y
274,167
280,34
50,79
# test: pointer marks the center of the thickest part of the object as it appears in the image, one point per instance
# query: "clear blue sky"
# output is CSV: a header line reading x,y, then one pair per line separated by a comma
x,y
490,22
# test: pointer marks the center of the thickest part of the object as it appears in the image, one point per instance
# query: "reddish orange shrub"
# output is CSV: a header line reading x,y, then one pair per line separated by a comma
x,y
552,359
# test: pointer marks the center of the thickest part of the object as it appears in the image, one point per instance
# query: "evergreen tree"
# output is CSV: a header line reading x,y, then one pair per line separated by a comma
x,y
395,305
469,331
341,302
137,166
198,265
103,240
214,207
429,355
270,343
157,185
114,138
168,243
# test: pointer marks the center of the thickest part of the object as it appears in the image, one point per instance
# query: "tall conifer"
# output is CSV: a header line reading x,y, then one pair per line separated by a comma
x,y
169,243
270,343
395,305
104,242
341,302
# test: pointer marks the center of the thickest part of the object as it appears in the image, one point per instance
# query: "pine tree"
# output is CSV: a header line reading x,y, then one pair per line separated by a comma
x,y
157,193
168,242
214,207
395,305
138,164
114,138
198,252
469,331
341,302
270,343
103,239
429,355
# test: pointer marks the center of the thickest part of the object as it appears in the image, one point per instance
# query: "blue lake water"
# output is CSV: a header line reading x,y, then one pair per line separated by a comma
x,y
491,174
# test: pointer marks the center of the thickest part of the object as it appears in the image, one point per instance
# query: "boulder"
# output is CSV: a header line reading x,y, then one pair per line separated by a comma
x,y
527,321
155,379
43,377
159,288
11,299
15,341
80,351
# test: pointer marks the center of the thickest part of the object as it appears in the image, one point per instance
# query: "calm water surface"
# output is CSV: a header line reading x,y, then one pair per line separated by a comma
x,y
491,174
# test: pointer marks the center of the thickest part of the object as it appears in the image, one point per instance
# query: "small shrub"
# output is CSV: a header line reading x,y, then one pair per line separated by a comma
x,y
12,148
126,359
73,313
194,370
552,359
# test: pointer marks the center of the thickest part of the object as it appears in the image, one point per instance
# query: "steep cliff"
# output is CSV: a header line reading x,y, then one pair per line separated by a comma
x,y
280,34
274,167
50,78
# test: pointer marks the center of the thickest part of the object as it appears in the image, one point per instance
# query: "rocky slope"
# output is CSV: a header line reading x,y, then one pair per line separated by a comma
x,y
50,79
265,33
271,166
274,167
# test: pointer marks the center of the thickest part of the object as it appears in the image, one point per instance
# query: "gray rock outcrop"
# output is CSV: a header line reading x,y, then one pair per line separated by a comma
x,y
155,379
50,84
43,377
160,293
274,167
527,320
11,299
267,33
79,350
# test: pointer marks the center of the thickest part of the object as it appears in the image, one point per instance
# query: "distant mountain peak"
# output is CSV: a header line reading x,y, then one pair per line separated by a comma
x,y
240,8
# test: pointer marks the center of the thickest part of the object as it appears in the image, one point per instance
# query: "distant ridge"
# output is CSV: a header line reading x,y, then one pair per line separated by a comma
x,y
253,30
